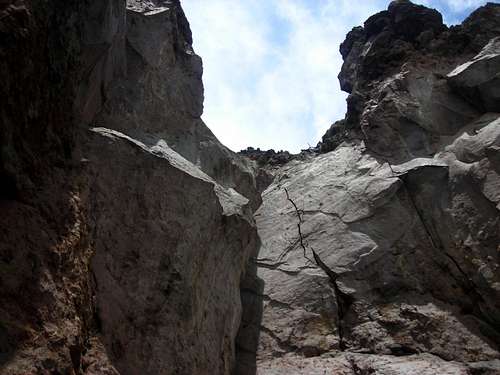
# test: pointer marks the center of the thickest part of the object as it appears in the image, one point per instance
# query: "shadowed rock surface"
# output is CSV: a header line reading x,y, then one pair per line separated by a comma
x,y
125,225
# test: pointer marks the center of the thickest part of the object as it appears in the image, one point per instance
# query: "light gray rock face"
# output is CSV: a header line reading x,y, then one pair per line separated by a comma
x,y
410,113
387,261
413,253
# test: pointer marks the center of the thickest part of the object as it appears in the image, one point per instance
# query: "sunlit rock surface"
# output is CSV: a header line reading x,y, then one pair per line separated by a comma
x,y
395,268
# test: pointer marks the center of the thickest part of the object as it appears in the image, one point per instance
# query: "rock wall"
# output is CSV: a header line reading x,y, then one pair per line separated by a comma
x,y
170,247
45,309
385,259
162,95
124,226
128,240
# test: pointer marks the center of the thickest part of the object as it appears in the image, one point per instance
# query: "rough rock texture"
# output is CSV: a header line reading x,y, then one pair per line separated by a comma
x,y
161,96
126,226
355,364
478,80
168,258
117,254
268,157
381,61
45,293
386,257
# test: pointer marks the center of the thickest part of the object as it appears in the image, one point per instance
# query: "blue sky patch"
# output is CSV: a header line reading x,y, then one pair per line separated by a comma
x,y
271,66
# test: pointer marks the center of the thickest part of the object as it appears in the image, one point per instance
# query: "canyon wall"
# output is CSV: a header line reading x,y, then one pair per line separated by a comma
x,y
381,255
133,242
125,225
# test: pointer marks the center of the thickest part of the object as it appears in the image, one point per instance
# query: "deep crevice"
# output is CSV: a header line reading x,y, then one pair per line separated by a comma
x,y
343,300
467,284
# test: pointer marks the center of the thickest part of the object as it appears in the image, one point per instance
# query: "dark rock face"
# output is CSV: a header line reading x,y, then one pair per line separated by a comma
x,y
123,229
168,263
270,157
385,259
408,33
386,39
333,137
161,96
45,293
381,58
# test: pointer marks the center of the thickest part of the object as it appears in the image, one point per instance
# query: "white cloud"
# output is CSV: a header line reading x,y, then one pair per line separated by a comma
x,y
270,66
463,5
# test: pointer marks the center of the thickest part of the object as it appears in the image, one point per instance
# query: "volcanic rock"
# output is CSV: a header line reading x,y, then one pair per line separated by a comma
x,y
381,255
117,254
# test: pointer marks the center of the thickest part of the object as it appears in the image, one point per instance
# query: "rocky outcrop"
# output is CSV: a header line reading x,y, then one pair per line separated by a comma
x,y
125,224
168,258
478,80
161,96
380,59
268,157
381,255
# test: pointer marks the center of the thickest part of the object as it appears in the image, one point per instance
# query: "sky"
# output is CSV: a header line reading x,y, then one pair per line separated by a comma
x,y
271,66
